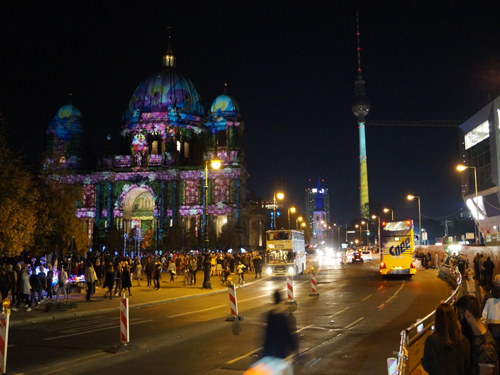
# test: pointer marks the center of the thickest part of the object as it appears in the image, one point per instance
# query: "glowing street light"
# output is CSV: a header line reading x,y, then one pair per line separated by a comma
x,y
215,163
386,210
378,217
297,222
280,196
292,210
410,198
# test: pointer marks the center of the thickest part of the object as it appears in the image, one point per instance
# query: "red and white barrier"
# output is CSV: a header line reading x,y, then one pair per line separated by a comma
x,y
4,339
233,302
314,286
289,287
124,320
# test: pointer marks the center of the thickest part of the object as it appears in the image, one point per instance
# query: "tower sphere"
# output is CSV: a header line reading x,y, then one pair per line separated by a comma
x,y
360,106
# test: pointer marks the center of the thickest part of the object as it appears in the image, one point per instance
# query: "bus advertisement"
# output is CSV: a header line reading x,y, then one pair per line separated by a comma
x,y
285,253
397,255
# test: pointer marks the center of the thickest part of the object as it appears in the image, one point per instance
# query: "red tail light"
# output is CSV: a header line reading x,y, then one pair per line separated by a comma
x,y
383,266
412,265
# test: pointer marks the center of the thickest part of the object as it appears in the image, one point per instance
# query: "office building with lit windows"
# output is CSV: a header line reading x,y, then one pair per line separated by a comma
x,y
480,152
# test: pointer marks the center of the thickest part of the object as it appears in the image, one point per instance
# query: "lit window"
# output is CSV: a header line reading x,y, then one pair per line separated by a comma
x,y
477,135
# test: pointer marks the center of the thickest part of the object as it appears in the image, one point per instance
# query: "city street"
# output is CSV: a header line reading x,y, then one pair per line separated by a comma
x,y
351,328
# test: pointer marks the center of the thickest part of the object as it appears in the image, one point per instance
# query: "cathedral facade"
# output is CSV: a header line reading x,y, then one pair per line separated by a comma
x,y
157,181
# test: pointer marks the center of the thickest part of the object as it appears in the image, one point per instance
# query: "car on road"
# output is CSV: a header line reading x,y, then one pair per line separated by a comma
x,y
367,255
357,256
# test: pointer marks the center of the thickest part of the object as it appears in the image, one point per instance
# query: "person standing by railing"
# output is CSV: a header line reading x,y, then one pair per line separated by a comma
x,y
483,351
446,351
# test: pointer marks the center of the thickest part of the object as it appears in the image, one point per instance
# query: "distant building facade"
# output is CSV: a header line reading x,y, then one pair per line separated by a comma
x,y
311,197
480,151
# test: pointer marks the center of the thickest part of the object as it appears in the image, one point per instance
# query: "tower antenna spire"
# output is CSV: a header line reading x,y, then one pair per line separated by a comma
x,y
359,48
169,57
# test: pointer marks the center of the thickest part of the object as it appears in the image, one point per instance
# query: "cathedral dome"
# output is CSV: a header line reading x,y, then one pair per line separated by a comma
x,y
68,111
163,90
224,104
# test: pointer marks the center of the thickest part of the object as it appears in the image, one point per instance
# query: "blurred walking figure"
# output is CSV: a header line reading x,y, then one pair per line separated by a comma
x,y
279,341
63,282
109,280
126,280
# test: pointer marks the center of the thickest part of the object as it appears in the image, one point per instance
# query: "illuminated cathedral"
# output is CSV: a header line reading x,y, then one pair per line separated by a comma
x,y
157,181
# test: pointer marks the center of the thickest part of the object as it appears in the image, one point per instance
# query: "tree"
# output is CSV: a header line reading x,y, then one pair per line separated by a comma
x,y
18,201
191,238
113,240
57,222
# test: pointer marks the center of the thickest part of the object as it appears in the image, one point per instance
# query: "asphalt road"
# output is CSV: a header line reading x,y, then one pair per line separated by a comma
x,y
351,328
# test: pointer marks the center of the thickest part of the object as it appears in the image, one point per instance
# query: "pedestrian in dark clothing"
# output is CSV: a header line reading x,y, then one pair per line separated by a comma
x,y
35,288
279,341
42,278
489,266
126,280
149,271
12,282
48,282
446,351
257,264
109,280
4,283
428,258
178,262
157,275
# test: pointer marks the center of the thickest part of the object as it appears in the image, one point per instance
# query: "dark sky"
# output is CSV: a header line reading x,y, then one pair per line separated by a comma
x,y
290,65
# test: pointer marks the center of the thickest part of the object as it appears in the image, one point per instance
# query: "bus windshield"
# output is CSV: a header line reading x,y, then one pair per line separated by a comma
x,y
278,235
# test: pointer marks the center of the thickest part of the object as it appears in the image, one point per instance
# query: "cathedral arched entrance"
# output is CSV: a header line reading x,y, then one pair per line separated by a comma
x,y
138,208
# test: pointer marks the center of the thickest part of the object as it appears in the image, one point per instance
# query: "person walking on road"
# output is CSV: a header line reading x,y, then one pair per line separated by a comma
x,y
257,264
48,282
279,341
149,271
126,280
194,269
62,285
157,275
491,310
90,279
24,290
171,270
446,351
109,280
138,272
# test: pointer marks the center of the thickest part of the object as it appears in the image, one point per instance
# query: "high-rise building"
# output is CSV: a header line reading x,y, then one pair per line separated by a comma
x,y
312,195
360,108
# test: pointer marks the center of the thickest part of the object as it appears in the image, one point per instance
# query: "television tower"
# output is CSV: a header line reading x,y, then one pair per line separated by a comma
x,y
360,108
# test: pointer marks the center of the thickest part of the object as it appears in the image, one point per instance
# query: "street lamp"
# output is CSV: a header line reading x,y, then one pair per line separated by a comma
x,y
216,163
297,222
386,210
280,196
412,197
461,168
360,239
367,242
292,210
338,234
378,217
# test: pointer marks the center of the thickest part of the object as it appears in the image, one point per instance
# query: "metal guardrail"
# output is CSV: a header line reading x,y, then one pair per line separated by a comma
x,y
411,349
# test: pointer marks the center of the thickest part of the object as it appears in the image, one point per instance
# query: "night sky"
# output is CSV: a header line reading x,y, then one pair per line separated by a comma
x,y
290,65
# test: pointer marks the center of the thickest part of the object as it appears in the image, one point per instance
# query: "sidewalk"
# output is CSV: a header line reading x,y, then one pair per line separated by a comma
x,y
141,296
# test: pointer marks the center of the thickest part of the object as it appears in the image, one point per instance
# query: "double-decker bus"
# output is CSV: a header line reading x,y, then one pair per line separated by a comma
x,y
397,254
285,253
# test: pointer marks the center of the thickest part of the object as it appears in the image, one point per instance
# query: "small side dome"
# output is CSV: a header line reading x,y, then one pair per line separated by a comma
x,y
224,104
68,111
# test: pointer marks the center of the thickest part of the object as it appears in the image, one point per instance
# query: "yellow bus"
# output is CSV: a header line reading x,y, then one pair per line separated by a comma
x,y
397,253
285,253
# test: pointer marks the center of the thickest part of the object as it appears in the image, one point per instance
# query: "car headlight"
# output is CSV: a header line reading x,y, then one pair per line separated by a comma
x,y
269,270
290,271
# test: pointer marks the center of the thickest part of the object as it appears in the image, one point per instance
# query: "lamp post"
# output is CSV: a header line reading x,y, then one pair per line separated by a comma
x,y
412,197
297,222
292,210
378,241
367,242
461,168
206,280
360,239
338,234
280,196
386,210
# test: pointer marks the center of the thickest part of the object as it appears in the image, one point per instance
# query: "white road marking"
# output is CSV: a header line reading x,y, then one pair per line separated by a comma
x,y
338,312
249,299
303,328
381,306
245,355
364,299
381,286
94,330
395,294
197,311
353,323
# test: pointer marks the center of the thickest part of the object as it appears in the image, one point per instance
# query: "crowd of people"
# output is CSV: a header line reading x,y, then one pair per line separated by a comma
x,y
30,281
466,337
